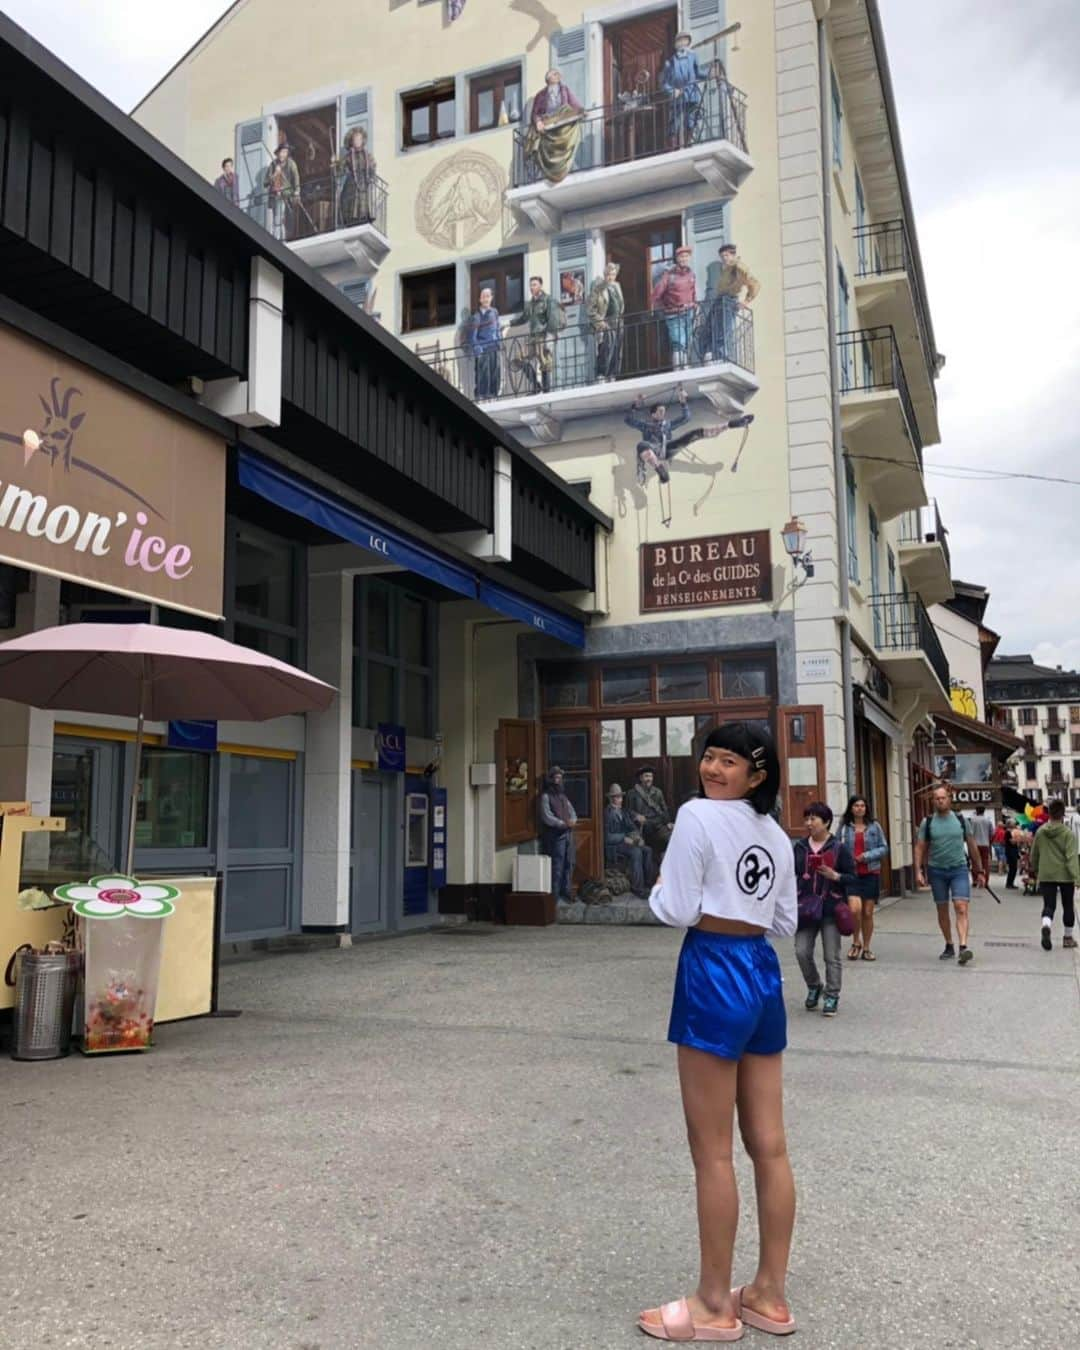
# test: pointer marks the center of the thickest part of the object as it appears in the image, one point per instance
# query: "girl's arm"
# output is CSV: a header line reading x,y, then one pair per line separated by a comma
x,y
879,851
676,898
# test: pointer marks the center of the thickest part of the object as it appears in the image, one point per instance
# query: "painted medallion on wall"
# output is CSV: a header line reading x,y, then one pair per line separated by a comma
x,y
460,200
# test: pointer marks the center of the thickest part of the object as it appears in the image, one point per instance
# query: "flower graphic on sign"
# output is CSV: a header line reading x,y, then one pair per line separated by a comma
x,y
109,897
55,438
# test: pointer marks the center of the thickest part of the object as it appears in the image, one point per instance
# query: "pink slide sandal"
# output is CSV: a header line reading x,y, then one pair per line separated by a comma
x,y
676,1324
757,1320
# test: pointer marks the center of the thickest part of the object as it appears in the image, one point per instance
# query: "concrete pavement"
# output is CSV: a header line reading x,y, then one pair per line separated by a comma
x,y
472,1140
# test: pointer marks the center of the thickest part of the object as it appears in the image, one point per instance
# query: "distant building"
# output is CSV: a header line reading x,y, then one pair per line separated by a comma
x,y
1040,704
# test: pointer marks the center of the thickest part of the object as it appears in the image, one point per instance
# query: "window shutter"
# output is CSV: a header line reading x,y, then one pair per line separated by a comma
x,y
252,157
569,267
354,111
706,230
703,19
568,57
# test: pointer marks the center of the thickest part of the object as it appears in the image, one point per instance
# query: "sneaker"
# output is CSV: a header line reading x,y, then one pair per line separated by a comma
x,y
831,1004
966,955
1047,940
813,997
948,953
1068,940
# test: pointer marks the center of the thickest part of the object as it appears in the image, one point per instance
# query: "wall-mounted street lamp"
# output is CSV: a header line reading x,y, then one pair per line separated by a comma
x,y
794,537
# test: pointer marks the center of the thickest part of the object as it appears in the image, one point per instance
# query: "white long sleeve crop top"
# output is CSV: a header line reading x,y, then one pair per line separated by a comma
x,y
726,860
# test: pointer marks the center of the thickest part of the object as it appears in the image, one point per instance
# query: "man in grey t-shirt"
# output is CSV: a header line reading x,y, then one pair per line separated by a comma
x,y
942,848
981,827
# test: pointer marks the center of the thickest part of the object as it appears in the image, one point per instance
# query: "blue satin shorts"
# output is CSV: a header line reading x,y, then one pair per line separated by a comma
x,y
729,996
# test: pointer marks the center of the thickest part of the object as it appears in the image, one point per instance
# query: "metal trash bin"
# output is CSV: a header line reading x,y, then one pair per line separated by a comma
x,y
44,1004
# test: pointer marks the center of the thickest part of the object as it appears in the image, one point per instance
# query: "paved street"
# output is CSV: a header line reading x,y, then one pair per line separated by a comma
x,y
472,1139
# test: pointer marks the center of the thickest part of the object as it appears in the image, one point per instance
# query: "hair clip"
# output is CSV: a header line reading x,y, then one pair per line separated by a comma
x,y
758,756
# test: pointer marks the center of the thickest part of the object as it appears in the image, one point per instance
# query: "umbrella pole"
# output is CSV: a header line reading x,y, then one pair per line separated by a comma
x,y
129,861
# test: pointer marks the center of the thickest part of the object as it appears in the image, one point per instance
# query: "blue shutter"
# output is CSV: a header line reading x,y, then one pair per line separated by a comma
x,y
354,111
568,57
706,230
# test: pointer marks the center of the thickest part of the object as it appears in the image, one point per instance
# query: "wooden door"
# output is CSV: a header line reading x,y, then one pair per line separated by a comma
x,y
643,253
573,749
801,744
634,55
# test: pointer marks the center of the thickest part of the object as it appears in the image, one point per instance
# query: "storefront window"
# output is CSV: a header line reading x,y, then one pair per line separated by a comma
x,y
684,683
565,688
174,799
613,739
645,732
746,679
393,662
626,685
679,734
264,605
416,832
260,802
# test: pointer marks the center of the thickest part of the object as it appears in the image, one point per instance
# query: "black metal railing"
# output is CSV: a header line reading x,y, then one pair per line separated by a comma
x,y
642,344
886,248
869,360
321,206
923,526
639,126
901,624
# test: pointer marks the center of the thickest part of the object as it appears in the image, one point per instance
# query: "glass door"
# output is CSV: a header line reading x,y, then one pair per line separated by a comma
x,y
571,749
86,796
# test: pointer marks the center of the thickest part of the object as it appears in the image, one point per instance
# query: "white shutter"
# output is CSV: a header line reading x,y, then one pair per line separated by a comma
x,y
252,158
706,230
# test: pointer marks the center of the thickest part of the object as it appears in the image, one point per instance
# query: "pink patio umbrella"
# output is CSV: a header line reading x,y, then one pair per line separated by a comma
x,y
145,671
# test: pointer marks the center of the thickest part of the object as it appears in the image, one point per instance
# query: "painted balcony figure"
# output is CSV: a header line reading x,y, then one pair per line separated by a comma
x,y
682,78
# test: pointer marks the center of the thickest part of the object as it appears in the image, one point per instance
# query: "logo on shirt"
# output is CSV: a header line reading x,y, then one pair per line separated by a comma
x,y
756,872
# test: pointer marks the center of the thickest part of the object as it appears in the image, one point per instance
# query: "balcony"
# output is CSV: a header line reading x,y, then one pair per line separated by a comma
x,y
879,423
1058,785
329,221
888,293
646,143
590,374
924,554
908,648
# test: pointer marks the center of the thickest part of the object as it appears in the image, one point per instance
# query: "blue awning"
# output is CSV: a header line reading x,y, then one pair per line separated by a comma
x,y
306,499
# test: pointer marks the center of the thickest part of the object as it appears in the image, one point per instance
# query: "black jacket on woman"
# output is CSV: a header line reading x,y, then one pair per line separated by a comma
x,y
832,854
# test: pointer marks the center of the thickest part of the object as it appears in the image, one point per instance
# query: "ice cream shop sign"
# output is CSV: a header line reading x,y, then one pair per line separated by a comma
x,y
104,487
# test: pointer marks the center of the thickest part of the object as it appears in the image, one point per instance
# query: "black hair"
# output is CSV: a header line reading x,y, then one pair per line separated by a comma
x,y
653,406
848,817
822,809
539,279
755,744
645,768
1056,809
226,161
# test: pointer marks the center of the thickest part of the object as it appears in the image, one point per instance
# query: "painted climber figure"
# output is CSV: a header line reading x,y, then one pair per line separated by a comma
x,y
656,448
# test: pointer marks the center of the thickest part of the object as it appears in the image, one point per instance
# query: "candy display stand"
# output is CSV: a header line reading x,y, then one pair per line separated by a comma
x,y
120,924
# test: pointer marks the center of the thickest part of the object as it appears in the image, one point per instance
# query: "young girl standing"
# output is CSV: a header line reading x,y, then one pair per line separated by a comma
x,y
728,879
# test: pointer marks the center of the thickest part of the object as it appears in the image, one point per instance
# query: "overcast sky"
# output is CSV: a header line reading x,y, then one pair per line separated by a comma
x,y
989,101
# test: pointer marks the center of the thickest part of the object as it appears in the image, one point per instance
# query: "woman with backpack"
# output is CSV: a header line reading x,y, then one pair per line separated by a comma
x,y
728,880
824,873
865,840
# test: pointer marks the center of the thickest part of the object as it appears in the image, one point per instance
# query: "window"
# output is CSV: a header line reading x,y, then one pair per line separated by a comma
x,y
837,122
174,799
428,114
1028,717
1055,770
1076,770
495,98
1029,743
428,300
504,277
264,614
1055,742
747,679
393,658
852,524
1074,715
1029,770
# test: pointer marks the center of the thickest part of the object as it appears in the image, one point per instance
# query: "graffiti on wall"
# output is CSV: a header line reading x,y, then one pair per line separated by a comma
x,y
963,700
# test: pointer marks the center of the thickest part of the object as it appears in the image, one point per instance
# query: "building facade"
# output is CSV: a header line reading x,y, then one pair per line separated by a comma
x,y
1040,705
671,248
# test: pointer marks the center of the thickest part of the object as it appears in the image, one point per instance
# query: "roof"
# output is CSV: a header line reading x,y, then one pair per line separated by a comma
x,y
994,736
1003,669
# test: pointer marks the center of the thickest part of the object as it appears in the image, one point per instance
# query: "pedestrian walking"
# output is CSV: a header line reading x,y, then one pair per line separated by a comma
x,y
557,821
1055,863
865,840
1012,856
942,850
982,829
997,844
728,879
824,873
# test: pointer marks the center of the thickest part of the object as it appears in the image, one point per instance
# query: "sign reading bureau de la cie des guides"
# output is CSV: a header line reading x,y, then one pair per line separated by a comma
x,y
716,569
103,486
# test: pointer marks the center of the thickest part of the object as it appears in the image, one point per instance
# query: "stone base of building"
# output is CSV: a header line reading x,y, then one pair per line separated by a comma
x,y
623,910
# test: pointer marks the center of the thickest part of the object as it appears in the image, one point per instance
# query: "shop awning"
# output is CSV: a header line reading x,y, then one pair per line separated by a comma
x,y
1002,743
335,515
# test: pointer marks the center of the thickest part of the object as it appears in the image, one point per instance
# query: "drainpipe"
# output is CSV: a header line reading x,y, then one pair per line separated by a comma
x,y
844,621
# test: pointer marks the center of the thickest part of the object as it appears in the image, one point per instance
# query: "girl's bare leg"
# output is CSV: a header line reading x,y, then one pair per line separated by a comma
x,y
760,1100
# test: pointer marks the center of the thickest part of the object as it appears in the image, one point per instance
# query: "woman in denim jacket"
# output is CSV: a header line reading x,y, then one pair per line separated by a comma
x,y
866,840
